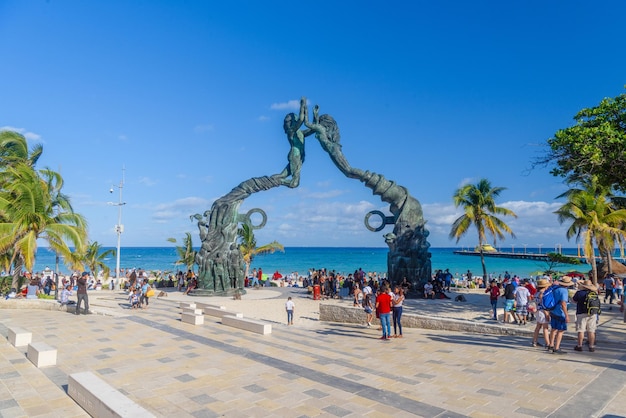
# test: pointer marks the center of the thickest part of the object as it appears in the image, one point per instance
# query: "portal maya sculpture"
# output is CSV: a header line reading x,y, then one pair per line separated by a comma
x,y
219,259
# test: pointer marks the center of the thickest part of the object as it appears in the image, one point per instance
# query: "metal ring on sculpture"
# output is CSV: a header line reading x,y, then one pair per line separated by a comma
x,y
248,217
382,217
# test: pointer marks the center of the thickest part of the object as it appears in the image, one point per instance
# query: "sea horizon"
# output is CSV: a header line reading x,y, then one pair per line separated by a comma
x,y
342,260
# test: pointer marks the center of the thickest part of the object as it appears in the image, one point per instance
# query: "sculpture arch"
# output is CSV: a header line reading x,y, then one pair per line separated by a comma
x,y
219,259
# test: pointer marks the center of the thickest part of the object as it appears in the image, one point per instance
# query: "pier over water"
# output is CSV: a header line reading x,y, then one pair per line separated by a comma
x,y
519,256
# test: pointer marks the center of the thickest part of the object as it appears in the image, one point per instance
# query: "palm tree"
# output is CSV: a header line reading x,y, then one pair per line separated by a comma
x,y
248,248
595,219
480,210
14,149
32,208
94,257
186,253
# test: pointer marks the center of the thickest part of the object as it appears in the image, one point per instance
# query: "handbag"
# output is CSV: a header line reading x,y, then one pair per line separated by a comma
x,y
150,292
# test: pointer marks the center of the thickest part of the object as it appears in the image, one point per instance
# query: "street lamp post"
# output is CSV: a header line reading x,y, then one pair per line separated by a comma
x,y
119,228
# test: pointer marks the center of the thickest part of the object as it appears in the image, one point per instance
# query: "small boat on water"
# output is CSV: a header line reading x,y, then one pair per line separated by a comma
x,y
486,248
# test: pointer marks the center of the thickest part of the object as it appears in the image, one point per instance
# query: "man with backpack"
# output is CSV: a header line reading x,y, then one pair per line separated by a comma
x,y
587,311
558,312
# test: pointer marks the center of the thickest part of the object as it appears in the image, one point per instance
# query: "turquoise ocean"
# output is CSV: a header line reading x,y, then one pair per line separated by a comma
x,y
342,260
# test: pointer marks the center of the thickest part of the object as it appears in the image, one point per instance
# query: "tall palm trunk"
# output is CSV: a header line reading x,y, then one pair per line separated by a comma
x,y
17,270
482,260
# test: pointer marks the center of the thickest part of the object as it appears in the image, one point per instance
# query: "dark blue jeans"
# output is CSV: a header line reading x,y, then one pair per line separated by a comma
x,y
494,307
397,316
385,324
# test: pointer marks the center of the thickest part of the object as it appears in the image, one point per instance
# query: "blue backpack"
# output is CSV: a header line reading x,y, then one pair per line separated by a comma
x,y
548,299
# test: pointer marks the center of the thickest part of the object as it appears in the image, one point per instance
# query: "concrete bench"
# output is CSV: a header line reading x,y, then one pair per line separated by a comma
x,y
200,305
100,399
221,312
41,354
247,324
19,337
195,311
187,305
192,318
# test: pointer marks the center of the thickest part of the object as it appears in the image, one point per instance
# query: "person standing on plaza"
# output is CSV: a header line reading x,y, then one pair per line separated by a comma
x,y
609,291
494,294
81,293
587,311
290,307
543,319
398,298
522,295
509,301
383,307
618,289
369,309
558,316
145,287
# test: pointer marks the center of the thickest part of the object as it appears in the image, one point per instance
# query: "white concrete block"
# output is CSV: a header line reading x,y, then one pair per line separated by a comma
x,y
192,311
193,319
247,324
41,354
200,305
100,399
221,312
19,337
187,305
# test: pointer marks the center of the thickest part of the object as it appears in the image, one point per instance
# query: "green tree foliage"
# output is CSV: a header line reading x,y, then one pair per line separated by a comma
x,y
186,253
32,207
248,248
594,146
480,210
554,260
94,258
595,219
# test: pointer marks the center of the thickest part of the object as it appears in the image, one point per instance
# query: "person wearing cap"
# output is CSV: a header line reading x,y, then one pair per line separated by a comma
x,y
81,293
543,317
585,321
558,316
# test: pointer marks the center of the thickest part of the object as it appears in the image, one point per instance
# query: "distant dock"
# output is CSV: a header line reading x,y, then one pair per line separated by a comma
x,y
519,256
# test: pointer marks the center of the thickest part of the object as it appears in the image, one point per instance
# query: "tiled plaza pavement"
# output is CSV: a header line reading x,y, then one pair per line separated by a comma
x,y
336,370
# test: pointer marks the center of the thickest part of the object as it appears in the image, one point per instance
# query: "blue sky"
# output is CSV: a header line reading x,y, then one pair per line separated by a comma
x,y
190,97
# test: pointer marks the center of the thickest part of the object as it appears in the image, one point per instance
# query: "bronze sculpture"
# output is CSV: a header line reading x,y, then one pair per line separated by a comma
x,y
219,260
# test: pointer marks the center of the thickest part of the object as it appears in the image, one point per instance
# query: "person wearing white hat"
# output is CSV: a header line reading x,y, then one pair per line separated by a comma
x,y
587,311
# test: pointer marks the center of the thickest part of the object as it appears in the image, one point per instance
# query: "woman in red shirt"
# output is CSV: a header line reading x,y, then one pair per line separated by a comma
x,y
383,306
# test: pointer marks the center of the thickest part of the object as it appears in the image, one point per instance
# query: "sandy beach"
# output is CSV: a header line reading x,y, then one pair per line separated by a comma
x,y
268,304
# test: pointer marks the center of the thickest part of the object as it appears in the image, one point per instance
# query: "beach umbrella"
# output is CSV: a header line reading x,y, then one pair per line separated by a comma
x,y
575,274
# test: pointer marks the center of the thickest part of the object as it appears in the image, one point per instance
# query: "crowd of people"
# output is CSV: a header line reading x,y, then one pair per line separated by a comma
x,y
545,301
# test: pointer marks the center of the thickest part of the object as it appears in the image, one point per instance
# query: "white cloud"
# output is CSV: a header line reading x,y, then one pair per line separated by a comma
x,y
535,224
290,105
179,209
263,118
31,136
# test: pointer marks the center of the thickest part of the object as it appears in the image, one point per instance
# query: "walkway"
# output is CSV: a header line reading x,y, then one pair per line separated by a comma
x,y
330,370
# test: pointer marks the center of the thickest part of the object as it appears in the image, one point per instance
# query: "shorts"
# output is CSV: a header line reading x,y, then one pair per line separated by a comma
x,y
508,305
541,317
585,322
522,310
368,310
558,323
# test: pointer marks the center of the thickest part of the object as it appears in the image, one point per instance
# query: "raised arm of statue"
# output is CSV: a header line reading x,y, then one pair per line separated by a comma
x,y
295,136
327,132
